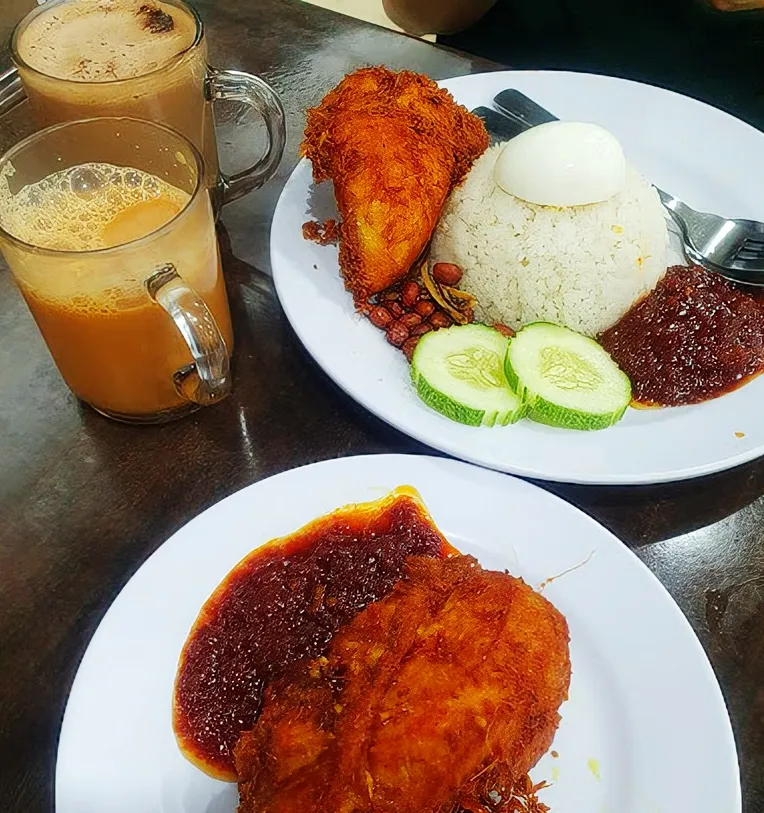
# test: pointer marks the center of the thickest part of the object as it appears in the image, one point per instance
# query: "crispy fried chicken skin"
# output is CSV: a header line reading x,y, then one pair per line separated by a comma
x,y
395,145
437,698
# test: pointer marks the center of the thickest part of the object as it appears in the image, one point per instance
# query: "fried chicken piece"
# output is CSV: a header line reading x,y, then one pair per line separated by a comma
x,y
395,145
438,698
324,234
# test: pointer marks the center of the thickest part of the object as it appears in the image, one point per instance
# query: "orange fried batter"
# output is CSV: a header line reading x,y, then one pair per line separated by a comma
x,y
395,145
438,698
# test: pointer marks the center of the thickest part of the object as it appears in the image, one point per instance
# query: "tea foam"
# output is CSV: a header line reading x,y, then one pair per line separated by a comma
x,y
76,209
105,40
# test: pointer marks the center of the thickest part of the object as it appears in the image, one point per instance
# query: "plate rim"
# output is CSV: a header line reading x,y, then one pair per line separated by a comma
x,y
388,415
701,664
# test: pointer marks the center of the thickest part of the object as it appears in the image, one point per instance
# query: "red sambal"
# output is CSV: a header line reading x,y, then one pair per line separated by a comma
x,y
695,337
283,603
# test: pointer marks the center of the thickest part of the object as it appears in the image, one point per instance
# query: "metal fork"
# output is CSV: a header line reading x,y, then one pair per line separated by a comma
x,y
11,91
733,248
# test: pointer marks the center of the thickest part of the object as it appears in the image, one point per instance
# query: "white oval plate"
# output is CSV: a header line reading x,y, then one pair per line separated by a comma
x,y
645,729
710,159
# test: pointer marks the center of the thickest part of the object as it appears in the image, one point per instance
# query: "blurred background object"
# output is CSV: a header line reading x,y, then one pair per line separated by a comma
x,y
370,11
736,5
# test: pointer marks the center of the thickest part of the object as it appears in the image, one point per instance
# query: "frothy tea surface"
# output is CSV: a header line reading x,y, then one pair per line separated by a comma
x,y
91,206
104,40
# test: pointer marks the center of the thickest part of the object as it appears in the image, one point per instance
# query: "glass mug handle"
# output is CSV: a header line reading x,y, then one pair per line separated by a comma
x,y
260,96
208,379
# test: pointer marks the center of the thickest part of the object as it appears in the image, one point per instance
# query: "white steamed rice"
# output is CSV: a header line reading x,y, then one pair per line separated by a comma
x,y
581,267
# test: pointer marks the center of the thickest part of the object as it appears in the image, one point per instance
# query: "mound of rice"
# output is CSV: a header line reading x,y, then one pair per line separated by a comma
x,y
582,267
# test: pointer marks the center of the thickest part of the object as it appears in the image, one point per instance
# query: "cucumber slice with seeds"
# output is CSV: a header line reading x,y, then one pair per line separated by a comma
x,y
459,371
567,379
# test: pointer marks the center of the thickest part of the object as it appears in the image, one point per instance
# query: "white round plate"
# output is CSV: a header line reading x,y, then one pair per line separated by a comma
x,y
645,729
700,154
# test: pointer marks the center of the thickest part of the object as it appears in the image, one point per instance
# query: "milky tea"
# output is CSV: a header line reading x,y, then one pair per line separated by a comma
x,y
139,58
116,348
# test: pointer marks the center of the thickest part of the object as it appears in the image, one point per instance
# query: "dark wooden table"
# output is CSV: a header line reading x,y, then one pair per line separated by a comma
x,y
84,501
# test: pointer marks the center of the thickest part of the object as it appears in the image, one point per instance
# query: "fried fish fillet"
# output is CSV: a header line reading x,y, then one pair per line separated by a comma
x,y
439,698
394,144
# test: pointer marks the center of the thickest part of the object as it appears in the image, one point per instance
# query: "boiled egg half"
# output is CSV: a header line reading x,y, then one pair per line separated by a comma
x,y
562,163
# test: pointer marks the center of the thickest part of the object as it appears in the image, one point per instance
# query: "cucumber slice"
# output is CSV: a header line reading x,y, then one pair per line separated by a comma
x,y
567,379
459,371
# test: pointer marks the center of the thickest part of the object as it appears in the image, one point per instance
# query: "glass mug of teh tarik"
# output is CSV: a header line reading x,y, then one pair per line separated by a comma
x,y
147,59
108,229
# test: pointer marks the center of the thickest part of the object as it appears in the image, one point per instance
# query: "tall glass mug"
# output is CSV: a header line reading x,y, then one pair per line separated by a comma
x,y
147,59
108,229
